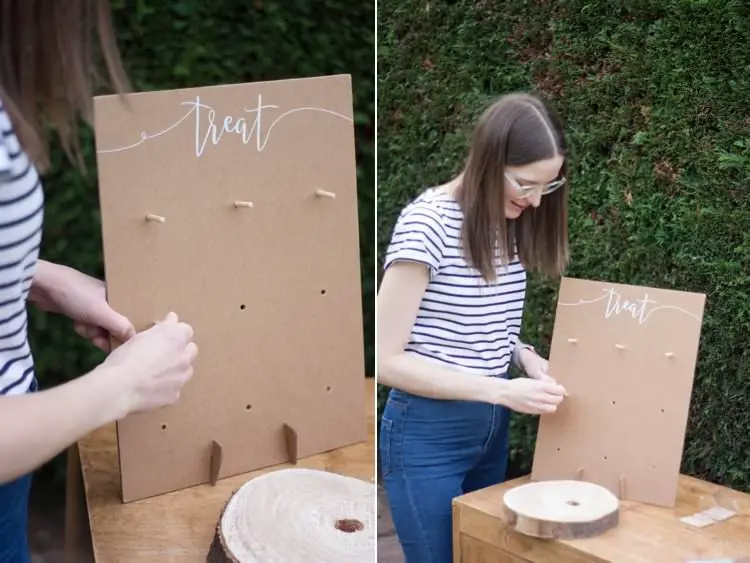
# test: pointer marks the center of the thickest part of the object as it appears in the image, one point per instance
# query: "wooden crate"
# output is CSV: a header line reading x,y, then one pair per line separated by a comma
x,y
645,534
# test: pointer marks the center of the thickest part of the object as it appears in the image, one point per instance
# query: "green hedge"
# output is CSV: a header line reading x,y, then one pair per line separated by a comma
x,y
655,96
195,43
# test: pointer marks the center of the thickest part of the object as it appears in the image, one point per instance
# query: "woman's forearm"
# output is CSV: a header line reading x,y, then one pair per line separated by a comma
x,y
436,381
520,351
40,285
37,426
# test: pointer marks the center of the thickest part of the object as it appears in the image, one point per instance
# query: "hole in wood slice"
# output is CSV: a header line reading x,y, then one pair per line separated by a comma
x,y
248,407
242,307
328,388
298,514
163,426
349,525
322,291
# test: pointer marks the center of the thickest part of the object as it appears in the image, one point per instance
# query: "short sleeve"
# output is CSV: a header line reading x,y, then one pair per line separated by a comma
x,y
5,130
419,236
5,164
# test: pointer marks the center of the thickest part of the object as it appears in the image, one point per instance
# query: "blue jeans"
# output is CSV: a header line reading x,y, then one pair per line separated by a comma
x,y
14,510
430,452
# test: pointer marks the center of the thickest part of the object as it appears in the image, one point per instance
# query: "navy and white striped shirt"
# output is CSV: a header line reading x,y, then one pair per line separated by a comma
x,y
21,216
462,320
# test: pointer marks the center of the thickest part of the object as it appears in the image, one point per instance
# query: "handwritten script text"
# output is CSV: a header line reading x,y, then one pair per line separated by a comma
x,y
210,127
639,310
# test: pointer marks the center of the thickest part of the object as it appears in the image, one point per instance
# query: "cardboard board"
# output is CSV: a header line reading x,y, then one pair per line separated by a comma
x,y
271,284
626,356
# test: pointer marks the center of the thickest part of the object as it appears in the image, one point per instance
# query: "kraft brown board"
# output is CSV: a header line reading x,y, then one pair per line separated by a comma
x,y
626,355
272,290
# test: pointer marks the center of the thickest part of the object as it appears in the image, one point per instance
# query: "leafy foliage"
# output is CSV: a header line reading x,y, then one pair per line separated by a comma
x,y
654,94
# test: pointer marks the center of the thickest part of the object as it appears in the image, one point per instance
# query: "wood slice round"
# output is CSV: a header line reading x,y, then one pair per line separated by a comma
x,y
297,515
561,509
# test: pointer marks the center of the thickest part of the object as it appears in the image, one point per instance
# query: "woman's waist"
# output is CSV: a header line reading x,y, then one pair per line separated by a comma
x,y
402,406
473,359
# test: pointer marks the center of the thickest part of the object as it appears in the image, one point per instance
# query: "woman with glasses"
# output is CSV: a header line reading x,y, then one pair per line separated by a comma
x,y
449,316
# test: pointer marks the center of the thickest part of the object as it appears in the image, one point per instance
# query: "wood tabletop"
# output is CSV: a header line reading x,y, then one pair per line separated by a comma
x,y
178,527
645,533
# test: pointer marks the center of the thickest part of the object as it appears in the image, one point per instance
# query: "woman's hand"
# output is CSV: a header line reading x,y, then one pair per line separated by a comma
x,y
534,366
153,366
63,290
531,396
538,393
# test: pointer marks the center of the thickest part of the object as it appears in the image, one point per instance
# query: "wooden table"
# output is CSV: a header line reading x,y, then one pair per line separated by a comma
x,y
176,527
646,534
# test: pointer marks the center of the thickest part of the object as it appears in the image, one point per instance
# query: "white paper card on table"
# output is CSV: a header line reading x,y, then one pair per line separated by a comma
x,y
698,520
719,513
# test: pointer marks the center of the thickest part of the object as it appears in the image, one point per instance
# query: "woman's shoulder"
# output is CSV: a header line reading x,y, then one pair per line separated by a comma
x,y
433,204
7,139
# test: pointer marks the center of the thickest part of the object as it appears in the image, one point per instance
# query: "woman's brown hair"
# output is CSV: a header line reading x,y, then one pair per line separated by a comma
x,y
516,130
48,69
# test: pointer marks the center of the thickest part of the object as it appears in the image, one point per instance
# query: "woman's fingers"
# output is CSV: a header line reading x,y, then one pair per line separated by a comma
x,y
101,342
541,408
552,389
85,330
94,334
544,376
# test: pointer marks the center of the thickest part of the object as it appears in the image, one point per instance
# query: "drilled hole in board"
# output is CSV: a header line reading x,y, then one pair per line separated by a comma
x,y
322,291
614,402
242,307
605,458
163,426
248,407
558,449
328,389
662,410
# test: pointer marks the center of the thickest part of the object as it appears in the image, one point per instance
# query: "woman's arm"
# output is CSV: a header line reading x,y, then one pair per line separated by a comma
x,y
42,284
145,373
521,351
37,426
398,301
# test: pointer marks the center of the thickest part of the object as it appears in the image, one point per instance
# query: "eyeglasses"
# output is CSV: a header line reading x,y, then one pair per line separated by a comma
x,y
534,189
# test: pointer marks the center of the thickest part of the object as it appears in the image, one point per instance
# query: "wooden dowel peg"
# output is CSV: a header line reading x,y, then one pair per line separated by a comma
x,y
217,454
579,474
323,193
290,437
622,487
245,204
669,354
619,346
573,340
155,218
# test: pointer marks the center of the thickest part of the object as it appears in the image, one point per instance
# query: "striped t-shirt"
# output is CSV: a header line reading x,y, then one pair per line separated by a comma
x,y
462,320
21,215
